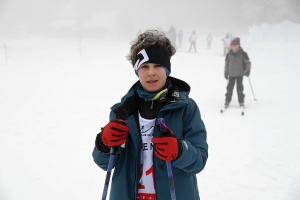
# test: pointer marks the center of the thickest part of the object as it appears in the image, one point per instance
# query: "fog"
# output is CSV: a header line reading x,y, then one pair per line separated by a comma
x,y
117,19
63,65
122,19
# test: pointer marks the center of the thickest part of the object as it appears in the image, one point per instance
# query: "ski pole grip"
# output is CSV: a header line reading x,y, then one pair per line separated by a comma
x,y
162,125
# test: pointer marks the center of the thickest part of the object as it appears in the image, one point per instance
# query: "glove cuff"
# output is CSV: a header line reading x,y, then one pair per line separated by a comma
x,y
179,149
99,144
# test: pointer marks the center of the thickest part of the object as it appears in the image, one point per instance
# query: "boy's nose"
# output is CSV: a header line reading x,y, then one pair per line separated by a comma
x,y
151,72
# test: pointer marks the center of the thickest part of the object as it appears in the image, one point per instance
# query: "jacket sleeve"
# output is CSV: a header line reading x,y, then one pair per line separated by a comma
x,y
194,146
246,62
226,70
102,159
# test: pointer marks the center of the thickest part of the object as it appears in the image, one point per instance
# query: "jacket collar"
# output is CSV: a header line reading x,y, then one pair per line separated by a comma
x,y
129,103
182,87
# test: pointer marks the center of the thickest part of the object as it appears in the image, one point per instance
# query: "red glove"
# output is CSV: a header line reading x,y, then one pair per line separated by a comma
x,y
167,147
115,133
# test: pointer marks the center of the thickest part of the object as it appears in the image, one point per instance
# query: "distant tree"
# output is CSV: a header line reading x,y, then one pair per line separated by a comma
x,y
253,11
270,11
294,8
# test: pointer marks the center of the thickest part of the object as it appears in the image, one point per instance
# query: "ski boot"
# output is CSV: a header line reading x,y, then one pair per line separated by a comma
x,y
242,105
226,104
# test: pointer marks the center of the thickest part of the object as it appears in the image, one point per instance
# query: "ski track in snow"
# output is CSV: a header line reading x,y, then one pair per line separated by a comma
x,y
54,101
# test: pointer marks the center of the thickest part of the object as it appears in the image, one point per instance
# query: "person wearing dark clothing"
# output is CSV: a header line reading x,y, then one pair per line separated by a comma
x,y
209,40
140,170
180,38
237,65
172,35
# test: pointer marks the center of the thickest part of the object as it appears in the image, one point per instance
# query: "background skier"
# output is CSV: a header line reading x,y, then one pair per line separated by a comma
x,y
237,64
180,38
226,43
193,39
209,40
172,36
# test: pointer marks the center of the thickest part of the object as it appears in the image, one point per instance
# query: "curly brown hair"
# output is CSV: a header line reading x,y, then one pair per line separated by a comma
x,y
148,38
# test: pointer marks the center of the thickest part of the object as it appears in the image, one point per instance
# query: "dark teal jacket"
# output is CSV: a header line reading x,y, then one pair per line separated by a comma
x,y
182,116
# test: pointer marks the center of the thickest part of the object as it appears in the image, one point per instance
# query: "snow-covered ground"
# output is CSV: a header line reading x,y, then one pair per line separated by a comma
x,y
53,101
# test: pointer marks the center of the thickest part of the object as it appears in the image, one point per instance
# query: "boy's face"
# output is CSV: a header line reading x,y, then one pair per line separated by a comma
x,y
234,47
152,77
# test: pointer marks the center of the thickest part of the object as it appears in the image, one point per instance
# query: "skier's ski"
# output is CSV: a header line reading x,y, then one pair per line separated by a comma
x,y
224,109
243,110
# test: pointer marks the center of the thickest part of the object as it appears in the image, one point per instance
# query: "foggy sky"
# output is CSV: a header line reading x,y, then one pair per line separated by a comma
x,y
119,17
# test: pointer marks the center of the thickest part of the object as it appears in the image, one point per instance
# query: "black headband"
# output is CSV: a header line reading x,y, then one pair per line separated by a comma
x,y
153,54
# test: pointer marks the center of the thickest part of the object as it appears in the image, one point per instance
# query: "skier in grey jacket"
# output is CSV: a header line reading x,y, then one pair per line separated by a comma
x,y
237,65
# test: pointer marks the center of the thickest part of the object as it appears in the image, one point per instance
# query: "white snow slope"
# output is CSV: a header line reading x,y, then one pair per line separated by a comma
x,y
54,101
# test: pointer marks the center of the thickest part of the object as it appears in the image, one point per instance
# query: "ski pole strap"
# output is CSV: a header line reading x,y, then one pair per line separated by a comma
x,y
114,150
163,129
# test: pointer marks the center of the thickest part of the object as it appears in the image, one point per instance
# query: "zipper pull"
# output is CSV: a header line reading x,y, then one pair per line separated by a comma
x,y
151,107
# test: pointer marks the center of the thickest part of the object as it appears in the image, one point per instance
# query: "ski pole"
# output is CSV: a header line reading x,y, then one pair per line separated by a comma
x,y
113,151
163,129
251,88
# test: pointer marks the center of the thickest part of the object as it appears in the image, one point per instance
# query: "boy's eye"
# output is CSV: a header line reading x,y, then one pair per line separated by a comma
x,y
147,66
